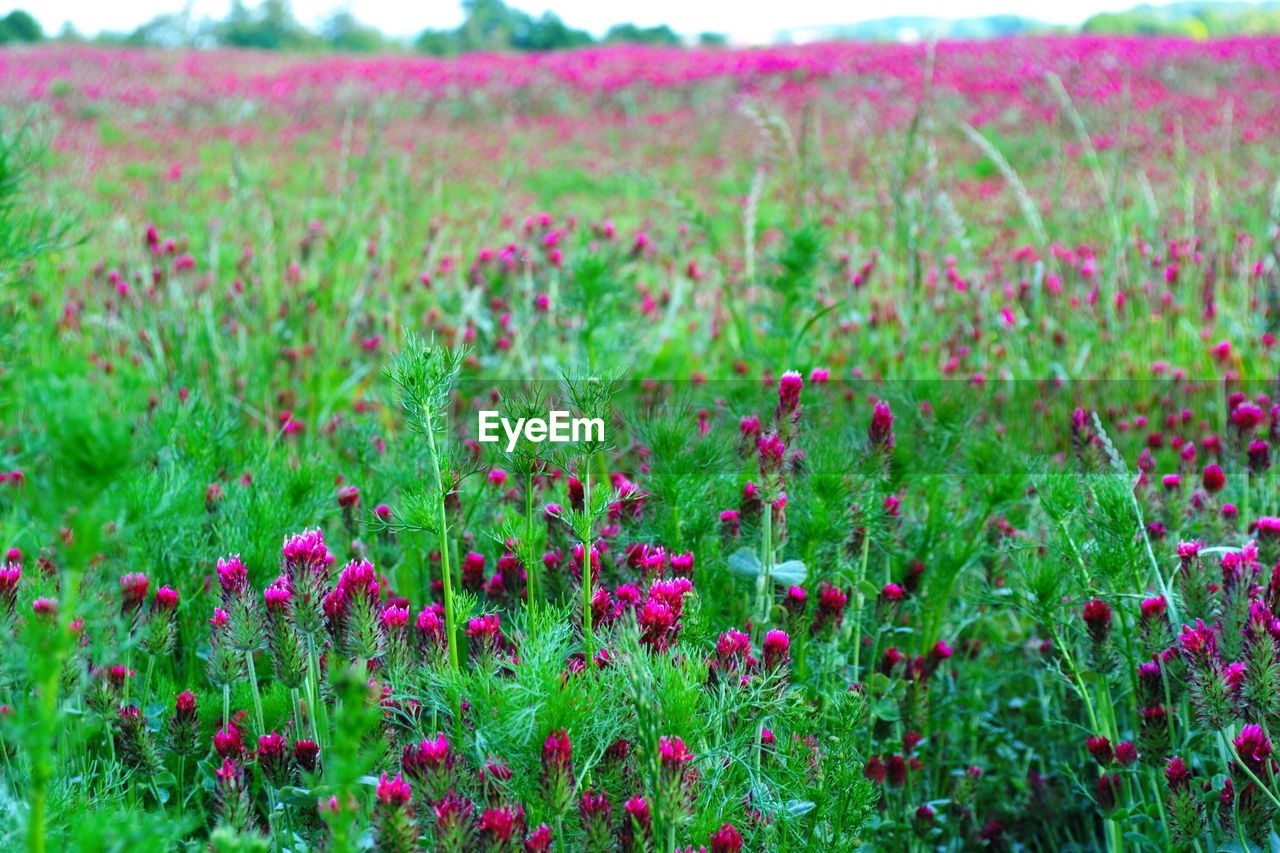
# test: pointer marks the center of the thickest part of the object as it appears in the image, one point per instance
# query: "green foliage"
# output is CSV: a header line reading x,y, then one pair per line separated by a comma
x,y
19,27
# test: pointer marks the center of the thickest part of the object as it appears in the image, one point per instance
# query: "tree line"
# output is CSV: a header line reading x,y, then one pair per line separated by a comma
x,y
488,25
492,25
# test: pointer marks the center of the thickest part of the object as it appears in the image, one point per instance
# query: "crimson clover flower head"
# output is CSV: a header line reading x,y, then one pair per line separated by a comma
x,y
726,839
1199,643
672,754
394,791
789,388
220,618
453,810
1177,774
305,552
796,600
428,756
1246,417
485,632
228,741
733,644
1126,753
1189,550
940,652
185,704
166,598
892,592
777,649
383,512
895,770
1154,608
45,607
831,604
594,805
272,745
133,589
749,426
637,807
348,497
1107,788
306,753
880,433
557,752
539,840
10,574
1253,748
1213,479
359,576
1097,620
233,576
772,450
278,594
1100,748
230,773
502,823
394,617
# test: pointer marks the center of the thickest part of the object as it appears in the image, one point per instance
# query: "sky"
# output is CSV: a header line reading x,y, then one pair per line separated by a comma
x,y
746,19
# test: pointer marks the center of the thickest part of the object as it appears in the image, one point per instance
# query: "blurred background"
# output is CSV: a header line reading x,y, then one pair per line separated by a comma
x,y
445,28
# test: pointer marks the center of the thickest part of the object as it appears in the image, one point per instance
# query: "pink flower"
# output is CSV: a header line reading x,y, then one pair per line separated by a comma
x,y
777,649
227,741
394,792
1100,748
789,388
185,705
232,574
672,754
1097,620
133,590
502,824
1177,774
726,839
880,433
166,598
1253,749
1213,479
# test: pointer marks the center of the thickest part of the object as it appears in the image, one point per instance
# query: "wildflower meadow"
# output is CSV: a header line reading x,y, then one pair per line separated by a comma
x,y
918,490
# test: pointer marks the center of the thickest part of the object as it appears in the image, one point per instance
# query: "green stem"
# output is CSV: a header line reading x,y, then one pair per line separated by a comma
x,y
253,690
531,569
857,604
446,570
586,562
765,578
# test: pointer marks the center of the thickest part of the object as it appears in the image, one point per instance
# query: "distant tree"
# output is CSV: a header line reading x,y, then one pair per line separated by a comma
x,y
269,26
343,32
491,25
19,26
437,42
549,33
712,39
632,34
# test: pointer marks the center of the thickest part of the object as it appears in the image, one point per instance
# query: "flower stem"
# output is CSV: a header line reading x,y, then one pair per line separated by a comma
x,y
253,689
586,562
446,570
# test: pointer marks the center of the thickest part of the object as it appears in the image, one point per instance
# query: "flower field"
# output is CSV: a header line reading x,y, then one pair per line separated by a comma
x,y
935,506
